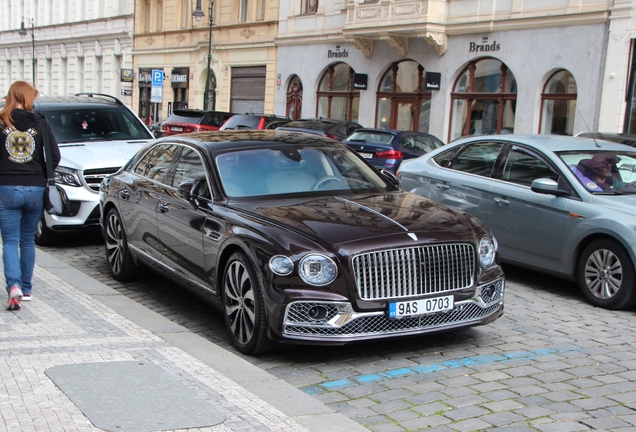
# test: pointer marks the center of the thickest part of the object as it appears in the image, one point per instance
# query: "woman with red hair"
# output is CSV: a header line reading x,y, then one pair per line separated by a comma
x,y
22,185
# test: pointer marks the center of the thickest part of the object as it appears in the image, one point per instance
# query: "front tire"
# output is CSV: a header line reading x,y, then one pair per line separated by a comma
x,y
244,307
120,261
606,275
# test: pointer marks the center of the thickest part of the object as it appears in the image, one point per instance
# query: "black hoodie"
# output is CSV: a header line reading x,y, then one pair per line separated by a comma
x,y
21,150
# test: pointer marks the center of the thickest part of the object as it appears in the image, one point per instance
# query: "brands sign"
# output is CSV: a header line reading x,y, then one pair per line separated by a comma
x,y
337,53
432,80
484,46
360,81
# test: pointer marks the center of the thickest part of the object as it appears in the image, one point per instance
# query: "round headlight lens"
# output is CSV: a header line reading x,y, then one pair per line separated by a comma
x,y
318,269
281,265
486,252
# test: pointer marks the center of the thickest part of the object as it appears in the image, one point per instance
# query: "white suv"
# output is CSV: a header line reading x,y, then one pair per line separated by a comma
x,y
97,134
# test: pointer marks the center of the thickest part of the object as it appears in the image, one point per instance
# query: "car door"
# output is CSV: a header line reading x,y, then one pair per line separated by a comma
x,y
464,179
527,225
180,223
139,199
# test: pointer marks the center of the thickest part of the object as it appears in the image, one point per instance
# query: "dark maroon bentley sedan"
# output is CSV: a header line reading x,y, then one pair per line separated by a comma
x,y
297,239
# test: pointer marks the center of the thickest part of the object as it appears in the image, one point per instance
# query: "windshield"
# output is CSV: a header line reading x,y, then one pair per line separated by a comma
x,y
292,169
603,171
75,125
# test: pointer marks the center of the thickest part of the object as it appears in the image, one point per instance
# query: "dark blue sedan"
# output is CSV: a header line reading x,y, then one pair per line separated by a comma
x,y
386,149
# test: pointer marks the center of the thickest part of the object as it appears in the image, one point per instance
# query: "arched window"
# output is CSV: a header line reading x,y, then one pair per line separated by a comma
x,y
336,97
403,102
295,98
558,104
484,100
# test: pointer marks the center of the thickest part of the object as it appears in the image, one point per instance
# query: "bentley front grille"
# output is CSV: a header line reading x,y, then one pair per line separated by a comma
x,y
415,271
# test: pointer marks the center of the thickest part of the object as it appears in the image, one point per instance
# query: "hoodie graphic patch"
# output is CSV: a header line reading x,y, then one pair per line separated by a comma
x,y
20,145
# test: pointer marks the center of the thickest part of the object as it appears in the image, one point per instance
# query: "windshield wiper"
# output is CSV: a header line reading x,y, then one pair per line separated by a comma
x,y
357,140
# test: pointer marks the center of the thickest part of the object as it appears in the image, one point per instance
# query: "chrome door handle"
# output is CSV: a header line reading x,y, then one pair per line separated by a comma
x,y
442,186
124,194
502,201
163,207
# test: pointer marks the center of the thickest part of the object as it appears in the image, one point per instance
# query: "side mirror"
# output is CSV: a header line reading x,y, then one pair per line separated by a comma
x,y
388,175
547,186
158,133
185,191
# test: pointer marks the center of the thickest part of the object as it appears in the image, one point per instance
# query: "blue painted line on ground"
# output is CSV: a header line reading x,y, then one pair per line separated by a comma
x,y
328,386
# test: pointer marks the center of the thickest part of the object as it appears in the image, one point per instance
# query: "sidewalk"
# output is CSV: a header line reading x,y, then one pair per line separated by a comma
x,y
82,357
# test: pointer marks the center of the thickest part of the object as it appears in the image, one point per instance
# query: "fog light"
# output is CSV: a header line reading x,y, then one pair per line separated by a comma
x,y
317,312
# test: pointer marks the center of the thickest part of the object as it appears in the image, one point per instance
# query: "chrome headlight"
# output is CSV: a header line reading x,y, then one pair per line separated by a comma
x,y
487,252
281,265
318,269
67,176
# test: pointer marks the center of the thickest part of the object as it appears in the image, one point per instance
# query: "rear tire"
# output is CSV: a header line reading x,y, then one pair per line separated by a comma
x,y
45,236
606,275
120,261
244,307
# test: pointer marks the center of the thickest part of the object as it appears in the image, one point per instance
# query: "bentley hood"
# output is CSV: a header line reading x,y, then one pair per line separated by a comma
x,y
362,218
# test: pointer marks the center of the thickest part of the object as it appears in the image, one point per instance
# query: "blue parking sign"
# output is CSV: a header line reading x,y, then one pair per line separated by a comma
x,y
157,78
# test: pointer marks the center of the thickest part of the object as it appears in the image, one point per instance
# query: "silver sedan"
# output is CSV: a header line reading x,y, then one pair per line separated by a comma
x,y
557,204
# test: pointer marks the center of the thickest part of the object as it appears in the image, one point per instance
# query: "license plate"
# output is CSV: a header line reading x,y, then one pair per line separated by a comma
x,y
421,307
366,155
176,129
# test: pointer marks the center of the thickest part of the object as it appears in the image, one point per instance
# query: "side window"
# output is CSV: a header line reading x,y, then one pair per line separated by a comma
x,y
477,159
160,161
142,165
425,144
522,168
407,142
190,166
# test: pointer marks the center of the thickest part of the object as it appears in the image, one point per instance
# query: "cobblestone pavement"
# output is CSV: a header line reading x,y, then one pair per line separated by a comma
x,y
551,363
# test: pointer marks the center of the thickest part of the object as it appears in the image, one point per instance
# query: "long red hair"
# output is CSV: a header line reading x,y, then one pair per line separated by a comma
x,y
21,95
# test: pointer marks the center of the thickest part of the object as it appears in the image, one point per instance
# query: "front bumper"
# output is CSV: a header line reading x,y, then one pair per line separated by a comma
x,y
84,211
341,324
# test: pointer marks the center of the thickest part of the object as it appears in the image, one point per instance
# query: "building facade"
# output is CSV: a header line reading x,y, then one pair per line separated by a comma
x,y
451,68
239,42
68,46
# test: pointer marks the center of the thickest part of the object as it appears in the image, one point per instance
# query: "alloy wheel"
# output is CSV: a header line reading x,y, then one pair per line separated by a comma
x,y
239,302
603,274
114,243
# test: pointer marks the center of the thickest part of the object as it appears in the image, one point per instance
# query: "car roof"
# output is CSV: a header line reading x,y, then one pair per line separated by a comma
x,y
555,143
225,140
63,102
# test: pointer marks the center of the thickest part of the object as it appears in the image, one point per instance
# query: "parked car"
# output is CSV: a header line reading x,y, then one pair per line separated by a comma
x,y
254,121
336,129
296,239
556,204
386,149
623,138
194,120
97,134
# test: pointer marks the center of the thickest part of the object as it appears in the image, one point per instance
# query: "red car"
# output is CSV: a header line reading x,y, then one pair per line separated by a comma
x,y
193,120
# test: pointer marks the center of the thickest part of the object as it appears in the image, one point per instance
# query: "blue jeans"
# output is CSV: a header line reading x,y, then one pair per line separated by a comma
x,y
21,208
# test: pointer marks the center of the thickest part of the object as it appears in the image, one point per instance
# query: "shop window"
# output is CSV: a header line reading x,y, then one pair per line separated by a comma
x,y
558,104
484,100
308,6
295,98
402,102
336,97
